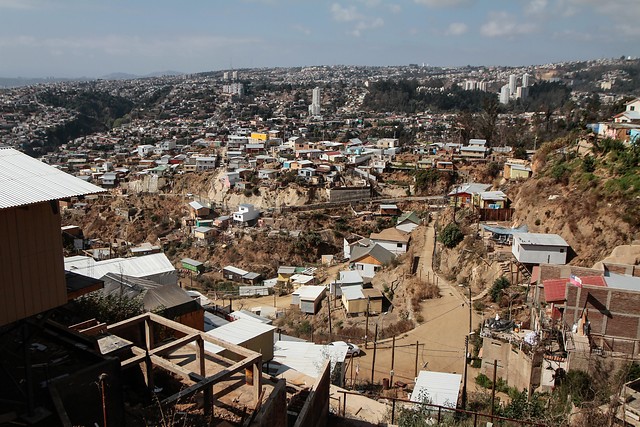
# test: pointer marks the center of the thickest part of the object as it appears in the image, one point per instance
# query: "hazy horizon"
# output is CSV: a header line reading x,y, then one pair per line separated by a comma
x,y
78,39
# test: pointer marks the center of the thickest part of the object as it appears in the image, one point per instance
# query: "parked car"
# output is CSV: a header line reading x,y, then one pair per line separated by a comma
x,y
352,349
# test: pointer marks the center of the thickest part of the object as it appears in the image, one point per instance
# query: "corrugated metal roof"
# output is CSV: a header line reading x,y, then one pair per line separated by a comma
x,y
142,266
310,292
306,357
240,331
25,180
541,239
437,388
352,293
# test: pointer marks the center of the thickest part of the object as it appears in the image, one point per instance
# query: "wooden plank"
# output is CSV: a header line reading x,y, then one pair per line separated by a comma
x,y
187,330
7,275
135,360
14,264
219,376
57,403
180,342
170,366
127,323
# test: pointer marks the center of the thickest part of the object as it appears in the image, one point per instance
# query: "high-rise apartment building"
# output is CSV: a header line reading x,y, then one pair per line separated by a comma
x,y
525,80
505,94
314,108
513,81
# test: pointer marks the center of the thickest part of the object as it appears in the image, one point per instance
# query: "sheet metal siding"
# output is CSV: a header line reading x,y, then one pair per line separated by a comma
x,y
25,180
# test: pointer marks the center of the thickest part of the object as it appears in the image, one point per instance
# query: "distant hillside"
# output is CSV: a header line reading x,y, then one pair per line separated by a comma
x,y
587,192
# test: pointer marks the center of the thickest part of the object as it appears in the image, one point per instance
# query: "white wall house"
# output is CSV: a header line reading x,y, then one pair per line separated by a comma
x,y
394,240
537,248
205,163
246,214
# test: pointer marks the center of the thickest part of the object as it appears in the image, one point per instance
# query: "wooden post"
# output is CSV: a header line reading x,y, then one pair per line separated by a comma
x,y
366,329
373,364
393,356
329,308
257,377
208,391
416,370
493,387
148,366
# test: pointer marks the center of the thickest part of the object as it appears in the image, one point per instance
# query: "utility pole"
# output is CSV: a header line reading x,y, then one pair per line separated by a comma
x,y
493,386
366,329
329,308
393,354
373,364
464,375
416,370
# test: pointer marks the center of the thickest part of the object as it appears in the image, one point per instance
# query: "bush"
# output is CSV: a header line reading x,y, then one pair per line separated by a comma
x,y
588,164
483,381
499,284
451,235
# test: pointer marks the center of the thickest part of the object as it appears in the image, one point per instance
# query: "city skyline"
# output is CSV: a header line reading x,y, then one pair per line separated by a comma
x,y
72,38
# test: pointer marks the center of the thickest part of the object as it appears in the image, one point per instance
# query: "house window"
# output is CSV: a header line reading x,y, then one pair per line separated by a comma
x,y
633,108
399,245
561,250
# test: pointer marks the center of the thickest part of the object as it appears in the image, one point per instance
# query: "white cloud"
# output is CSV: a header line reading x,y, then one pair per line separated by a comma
x,y
394,8
456,29
536,7
503,24
345,14
351,16
444,3
302,29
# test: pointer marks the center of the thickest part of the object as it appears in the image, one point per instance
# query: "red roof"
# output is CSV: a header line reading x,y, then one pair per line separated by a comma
x,y
554,288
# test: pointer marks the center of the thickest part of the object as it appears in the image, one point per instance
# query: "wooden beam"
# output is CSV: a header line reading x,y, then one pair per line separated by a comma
x,y
219,376
127,323
180,342
188,330
135,360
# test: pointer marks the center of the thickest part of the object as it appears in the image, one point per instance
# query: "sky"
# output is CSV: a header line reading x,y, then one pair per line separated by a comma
x,y
93,38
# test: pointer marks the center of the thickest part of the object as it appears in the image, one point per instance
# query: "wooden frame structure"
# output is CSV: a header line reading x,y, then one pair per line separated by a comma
x,y
150,355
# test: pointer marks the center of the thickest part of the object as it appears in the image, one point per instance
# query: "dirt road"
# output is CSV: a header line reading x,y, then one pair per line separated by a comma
x,y
441,336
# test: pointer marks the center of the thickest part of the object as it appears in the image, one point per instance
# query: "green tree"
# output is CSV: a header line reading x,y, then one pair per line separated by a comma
x,y
498,285
451,235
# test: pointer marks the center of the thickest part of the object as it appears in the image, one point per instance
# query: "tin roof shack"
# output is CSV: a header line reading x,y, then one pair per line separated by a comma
x,y
538,248
31,254
437,388
155,267
180,370
197,210
249,334
308,298
169,301
192,265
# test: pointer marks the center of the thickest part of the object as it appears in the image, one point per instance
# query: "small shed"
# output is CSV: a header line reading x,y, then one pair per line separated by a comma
x,y
233,273
537,248
192,265
249,334
198,210
252,278
308,298
437,388
389,209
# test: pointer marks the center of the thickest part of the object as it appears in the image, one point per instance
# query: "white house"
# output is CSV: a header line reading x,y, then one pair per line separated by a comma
x,y
308,298
205,163
394,240
408,222
437,388
368,260
537,248
145,149
246,214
